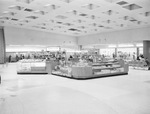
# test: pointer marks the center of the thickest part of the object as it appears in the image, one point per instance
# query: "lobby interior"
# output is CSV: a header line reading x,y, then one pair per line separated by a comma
x,y
76,25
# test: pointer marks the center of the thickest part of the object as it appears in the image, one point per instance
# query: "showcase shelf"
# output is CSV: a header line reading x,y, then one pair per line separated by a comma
x,y
88,72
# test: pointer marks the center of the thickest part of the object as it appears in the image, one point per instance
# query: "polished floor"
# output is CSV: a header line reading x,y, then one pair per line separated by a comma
x,y
48,94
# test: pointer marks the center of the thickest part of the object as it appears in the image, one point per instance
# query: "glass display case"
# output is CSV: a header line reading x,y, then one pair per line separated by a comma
x,y
31,66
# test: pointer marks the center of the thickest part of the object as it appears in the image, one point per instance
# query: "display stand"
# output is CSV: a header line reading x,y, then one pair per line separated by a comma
x,y
96,70
35,67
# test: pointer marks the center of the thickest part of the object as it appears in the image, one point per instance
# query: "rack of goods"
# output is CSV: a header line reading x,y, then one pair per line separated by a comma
x,y
87,71
137,64
35,66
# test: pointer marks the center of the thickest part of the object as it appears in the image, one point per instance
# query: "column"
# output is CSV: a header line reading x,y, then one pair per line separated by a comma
x,y
2,47
146,49
137,51
116,52
80,47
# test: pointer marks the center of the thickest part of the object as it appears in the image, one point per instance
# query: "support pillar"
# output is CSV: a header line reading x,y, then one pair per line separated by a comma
x,y
137,52
80,47
116,52
146,49
2,47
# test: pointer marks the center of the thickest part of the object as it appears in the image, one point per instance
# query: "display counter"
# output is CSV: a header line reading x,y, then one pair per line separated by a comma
x,y
95,70
35,67
137,64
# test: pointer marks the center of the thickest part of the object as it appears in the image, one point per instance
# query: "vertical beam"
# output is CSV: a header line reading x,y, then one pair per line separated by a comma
x,y
116,52
146,49
2,47
80,47
137,52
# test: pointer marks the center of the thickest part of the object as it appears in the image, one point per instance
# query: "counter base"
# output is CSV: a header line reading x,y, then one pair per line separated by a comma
x,y
92,77
32,73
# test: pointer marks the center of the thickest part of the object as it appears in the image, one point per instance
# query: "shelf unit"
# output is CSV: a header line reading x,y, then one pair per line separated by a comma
x,y
96,70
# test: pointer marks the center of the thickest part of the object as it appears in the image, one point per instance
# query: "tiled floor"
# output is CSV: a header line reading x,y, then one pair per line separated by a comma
x,y
48,94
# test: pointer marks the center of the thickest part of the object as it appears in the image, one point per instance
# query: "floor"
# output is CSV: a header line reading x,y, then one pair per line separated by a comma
x,y
48,94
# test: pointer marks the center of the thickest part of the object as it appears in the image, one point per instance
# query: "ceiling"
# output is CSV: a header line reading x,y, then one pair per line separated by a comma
x,y
75,17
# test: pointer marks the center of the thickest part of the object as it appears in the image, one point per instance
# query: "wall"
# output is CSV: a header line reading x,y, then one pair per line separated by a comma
x,y
18,36
2,46
122,36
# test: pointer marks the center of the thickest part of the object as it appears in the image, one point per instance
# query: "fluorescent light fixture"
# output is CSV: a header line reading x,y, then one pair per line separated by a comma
x,y
139,45
14,45
21,49
125,45
34,45
112,46
47,5
53,49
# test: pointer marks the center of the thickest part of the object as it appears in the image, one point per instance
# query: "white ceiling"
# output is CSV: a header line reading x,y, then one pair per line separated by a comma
x,y
75,17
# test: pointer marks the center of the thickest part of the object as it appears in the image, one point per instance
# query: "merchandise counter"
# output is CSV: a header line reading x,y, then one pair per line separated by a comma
x,y
35,67
95,71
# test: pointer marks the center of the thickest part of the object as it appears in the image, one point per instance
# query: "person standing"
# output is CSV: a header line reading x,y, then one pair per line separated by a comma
x,y
9,59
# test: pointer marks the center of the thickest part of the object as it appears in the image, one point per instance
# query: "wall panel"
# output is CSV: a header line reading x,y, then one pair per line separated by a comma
x,y
122,36
18,36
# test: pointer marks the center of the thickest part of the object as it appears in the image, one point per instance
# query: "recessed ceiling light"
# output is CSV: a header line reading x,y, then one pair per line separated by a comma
x,y
74,12
93,17
22,20
147,13
83,14
100,26
14,19
132,7
32,17
61,17
52,6
25,1
139,22
5,18
122,3
39,12
15,7
90,6
111,1
9,13
67,1
29,10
